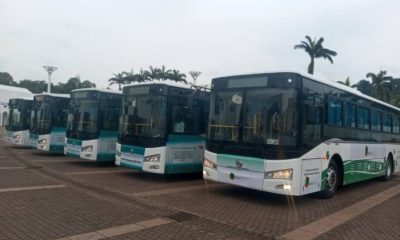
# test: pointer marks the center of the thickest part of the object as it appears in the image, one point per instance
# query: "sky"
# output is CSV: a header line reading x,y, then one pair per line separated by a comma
x,y
95,38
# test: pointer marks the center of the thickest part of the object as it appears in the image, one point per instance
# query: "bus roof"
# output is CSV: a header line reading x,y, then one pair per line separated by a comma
x,y
166,82
98,90
23,98
324,81
54,95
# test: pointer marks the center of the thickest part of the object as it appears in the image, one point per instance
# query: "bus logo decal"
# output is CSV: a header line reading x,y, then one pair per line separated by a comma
x,y
239,164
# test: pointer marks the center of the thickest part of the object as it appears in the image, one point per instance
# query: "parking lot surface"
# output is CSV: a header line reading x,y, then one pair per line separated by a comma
x,y
51,196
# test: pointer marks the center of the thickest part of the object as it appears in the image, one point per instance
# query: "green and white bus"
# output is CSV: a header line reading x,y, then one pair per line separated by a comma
x,y
17,126
294,134
48,122
162,128
92,125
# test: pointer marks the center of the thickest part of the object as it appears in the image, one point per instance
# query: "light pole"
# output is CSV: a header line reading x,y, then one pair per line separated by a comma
x,y
194,75
49,70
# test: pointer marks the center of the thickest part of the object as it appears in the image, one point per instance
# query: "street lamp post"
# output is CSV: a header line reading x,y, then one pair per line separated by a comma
x,y
194,75
49,70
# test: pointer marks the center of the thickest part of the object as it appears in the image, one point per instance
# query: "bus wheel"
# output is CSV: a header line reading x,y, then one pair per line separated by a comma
x,y
332,180
389,165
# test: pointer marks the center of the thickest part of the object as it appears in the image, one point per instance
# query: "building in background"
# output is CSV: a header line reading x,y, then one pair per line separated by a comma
x,y
7,92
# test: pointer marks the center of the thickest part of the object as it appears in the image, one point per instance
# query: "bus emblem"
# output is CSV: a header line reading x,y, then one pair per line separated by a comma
x,y
239,164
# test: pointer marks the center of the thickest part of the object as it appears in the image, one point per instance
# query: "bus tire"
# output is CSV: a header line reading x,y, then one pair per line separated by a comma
x,y
332,180
389,168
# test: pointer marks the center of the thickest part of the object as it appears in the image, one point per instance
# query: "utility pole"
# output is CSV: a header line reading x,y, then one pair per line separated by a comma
x,y
49,70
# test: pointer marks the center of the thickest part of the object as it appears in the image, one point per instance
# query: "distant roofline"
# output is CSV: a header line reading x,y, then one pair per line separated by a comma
x,y
321,80
17,89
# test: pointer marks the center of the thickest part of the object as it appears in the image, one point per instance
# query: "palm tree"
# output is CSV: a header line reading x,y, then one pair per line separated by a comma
x,y
163,73
129,77
346,82
153,73
315,50
177,76
119,78
380,85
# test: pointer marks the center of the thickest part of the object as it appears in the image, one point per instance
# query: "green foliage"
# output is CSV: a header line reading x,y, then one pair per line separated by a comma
x,y
152,74
40,86
315,50
7,79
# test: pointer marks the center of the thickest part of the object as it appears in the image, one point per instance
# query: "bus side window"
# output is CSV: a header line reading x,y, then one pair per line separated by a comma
x,y
312,118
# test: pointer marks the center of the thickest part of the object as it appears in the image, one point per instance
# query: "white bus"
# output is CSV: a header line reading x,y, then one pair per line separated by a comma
x,y
294,134
48,122
162,128
17,126
92,125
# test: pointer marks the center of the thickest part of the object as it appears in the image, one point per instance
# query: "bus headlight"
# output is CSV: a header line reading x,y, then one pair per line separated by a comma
x,y
17,137
43,141
209,164
286,174
88,148
153,158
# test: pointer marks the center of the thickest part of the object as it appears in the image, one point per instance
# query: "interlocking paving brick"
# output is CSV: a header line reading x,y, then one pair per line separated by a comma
x,y
380,222
56,213
266,212
22,178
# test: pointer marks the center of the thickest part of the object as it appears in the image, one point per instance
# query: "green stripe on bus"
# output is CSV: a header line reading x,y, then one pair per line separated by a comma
x,y
176,139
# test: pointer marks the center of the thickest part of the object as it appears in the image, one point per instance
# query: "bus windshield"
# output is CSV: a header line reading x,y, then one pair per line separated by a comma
x,y
264,116
18,119
40,118
143,116
82,117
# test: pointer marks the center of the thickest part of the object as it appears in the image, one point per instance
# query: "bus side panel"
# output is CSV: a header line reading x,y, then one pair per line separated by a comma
x,y
366,161
185,154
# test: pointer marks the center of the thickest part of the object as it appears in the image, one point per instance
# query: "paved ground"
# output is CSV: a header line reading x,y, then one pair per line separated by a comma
x,y
48,196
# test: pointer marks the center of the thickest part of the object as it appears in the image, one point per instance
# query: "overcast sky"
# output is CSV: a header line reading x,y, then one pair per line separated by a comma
x,y
95,38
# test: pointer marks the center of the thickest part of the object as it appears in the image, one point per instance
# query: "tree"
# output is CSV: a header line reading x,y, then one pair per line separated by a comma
x,y
363,86
177,76
380,85
346,82
315,50
38,86
164,74
7,79
153,73
119,78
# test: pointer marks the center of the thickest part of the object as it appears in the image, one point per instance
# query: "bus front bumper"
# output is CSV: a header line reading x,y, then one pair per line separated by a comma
x,y
239,173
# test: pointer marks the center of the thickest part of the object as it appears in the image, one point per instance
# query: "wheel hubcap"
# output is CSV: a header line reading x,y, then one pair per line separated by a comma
x,y
331,178
388,169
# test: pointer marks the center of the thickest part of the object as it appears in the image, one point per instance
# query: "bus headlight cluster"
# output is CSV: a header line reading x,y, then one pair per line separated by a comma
x,y
208,163
17,137
88,148
43,141
153,158
286,174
